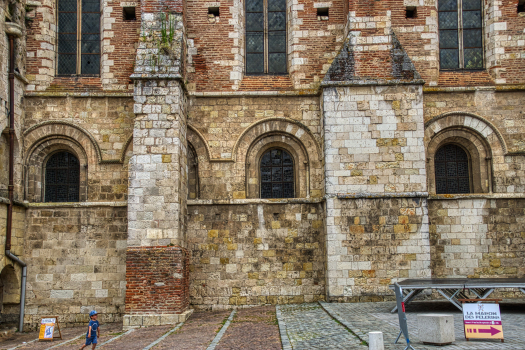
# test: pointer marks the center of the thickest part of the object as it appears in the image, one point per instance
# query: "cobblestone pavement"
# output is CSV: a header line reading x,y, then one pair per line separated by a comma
x,y
196,333
301,326
366,317
308,326
253,328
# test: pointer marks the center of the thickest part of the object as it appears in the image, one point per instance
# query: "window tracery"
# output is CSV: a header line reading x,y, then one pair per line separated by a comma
x,y
277,174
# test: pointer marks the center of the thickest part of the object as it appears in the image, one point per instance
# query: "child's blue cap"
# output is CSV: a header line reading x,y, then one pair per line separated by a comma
x,y
91,313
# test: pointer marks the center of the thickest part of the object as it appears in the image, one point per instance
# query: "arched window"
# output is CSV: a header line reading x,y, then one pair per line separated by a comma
x,y
452,170
265,36
62,179
277,174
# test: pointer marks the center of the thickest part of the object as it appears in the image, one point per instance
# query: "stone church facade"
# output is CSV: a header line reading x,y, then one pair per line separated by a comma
x,y
177,155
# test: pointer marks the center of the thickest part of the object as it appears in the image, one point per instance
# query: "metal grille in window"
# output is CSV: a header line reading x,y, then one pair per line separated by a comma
x,y
452,170
265,36
78,40
62,178
460,20
277,174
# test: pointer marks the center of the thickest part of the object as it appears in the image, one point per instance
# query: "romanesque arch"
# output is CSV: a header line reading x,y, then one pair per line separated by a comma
x,y
45,139
287,134
481,140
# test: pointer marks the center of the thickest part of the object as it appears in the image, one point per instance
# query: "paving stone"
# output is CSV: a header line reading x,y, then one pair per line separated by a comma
x,y
252,328
368,317
308,326
196,333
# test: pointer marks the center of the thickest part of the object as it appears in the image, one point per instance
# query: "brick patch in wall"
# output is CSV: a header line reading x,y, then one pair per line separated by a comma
x,y
157,281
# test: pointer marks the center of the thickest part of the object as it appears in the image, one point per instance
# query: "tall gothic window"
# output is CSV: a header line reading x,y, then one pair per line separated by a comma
x,y
452,170
277,177
78,37
265,36
62,179
460,34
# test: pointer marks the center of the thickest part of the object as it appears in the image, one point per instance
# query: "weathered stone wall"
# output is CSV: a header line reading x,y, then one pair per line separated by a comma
x,y
76,256
253,252
10,272
373,139
477,238
227,134
97,130
373,243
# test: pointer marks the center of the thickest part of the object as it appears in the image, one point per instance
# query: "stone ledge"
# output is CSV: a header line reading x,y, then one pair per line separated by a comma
x,y
77,94
138,321
301,93
77,204
254,201
478,196
4,200
382,195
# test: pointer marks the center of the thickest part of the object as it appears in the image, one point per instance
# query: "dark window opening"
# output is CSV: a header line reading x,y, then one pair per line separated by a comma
x,y
460,18
265,37
521,6
322,13
452,170
411,12
62,181
129,13
277,174
78,40
213,11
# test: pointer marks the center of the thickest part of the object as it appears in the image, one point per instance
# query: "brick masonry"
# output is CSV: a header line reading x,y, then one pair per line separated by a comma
x,y
157,280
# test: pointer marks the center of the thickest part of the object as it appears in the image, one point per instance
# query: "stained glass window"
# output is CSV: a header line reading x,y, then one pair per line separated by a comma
x,y
265,36
277,177
460,34
62,178
78,40
452,170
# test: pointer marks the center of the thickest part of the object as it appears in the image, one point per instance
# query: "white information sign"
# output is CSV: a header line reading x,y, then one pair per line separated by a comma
x,y
482,321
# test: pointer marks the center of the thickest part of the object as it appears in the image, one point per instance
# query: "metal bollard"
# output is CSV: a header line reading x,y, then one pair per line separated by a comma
x,y
375,341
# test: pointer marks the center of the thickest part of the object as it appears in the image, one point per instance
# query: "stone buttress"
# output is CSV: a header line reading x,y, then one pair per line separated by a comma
x,y
377,216
157,275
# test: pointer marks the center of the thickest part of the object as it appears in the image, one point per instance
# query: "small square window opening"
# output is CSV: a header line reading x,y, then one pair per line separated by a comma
x,y
411,12
129,13
521,6
213,14
322,13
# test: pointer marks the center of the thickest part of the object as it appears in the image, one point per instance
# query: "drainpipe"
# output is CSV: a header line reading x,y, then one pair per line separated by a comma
x,y
13,30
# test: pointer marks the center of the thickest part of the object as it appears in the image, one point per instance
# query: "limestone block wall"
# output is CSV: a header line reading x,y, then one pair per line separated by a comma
x,y
76,258
497,121
372,243
374,139
253,252
227,134
477,237
10,273
97,130
377,219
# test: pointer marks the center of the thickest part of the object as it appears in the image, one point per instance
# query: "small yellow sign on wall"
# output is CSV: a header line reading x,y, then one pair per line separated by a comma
x,y
47,329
